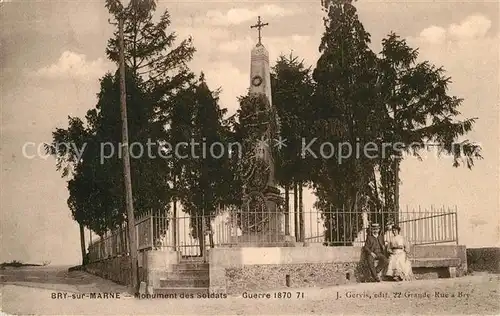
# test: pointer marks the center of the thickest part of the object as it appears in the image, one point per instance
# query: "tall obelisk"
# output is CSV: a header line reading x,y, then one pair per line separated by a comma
x,y
261,216
260,76
260,83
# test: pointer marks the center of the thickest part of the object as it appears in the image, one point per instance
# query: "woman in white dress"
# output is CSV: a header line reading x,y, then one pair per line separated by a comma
x,y
399,267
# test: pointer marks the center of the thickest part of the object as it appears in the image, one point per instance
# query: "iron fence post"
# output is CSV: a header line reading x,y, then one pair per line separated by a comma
x,y
136,238
456,224
151,225
203,233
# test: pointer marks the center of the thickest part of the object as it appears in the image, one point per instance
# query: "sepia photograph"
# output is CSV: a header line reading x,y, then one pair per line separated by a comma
x,y
249,157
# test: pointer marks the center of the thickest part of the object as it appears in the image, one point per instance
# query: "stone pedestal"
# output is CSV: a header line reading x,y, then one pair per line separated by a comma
x,y
256,240
271,233
158,263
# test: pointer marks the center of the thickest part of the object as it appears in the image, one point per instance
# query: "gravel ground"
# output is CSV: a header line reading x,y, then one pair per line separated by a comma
x,y
476,294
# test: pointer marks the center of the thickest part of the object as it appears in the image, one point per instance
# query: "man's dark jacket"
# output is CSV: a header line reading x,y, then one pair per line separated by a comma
x,y
375,244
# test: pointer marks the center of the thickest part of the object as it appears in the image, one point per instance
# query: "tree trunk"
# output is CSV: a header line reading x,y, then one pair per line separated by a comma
x,y
350,230
295,212
211,236
287,210
201,237
377,201
301,215
174,224
133,286
82,244
208,227
201,225
396,191
386,184
102,252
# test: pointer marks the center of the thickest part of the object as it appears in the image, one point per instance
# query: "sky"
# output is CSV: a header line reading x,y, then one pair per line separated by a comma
x,y
52,54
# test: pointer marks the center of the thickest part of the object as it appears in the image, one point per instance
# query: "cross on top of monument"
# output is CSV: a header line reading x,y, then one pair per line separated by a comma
x,y
259,26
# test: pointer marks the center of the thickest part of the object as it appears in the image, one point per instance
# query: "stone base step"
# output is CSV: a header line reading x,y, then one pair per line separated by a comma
x,y
184,283
186,274
186,266
179,292
192,259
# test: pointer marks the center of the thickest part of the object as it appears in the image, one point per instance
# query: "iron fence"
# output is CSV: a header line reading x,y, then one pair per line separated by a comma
x,y
419,227
191,236
115,243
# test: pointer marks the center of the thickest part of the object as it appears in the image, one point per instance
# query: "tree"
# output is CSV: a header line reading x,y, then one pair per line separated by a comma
x,y
418,111
346,115
155,74
386,99
149,170
206,172
293,87
179,131
67,146
149,47
151,55
97,190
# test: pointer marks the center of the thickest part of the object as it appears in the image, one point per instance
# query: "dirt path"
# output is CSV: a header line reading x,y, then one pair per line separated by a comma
x,y
469,295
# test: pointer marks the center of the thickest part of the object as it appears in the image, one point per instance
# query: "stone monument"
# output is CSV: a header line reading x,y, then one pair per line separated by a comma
x,y
261,217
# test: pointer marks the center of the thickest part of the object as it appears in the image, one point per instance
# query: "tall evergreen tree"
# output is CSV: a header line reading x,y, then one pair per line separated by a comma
x,y
418,111
346,115
293,87
152,55
180,131
206,172
77,136
390,98
97,186
149,47
156,74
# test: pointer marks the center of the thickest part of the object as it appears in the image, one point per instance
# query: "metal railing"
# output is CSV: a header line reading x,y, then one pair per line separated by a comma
x,y
115,243
192,235
419,227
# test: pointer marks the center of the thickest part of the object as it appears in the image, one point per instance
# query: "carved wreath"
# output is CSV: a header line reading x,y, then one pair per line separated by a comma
x,y
254,216
257,81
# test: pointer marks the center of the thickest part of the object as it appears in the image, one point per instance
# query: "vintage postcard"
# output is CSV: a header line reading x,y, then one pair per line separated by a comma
x,y
165,157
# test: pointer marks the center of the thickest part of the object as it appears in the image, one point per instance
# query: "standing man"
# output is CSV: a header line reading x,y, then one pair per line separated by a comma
x,y
374,248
